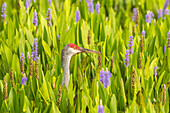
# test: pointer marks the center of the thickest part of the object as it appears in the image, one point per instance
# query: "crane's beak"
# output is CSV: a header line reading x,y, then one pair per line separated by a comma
x,y
84,50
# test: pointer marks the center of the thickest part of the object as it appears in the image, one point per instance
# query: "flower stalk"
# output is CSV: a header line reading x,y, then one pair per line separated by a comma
x,y
5,96
11,78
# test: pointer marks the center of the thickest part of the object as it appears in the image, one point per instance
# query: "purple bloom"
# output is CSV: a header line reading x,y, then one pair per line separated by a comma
x,y
87,1
67,27
134,14
58,37
98,8
91,7
164,86
127,58
49,17
148,17
34,49
166,4
154,70
164,49
22,57
100,109
3,15
22,63
77,15
160,13
28,4
35,18
152,15
166,12
143,33
130,45
49,1
107,78
102,76
168,35
80,0
24,80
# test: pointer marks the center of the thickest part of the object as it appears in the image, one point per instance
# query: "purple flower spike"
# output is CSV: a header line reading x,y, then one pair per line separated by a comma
x,y
102,76
98,8
166,4
152,15
107,78
28,4
148,17
100,107
3,15
35,18
154,70
164,49
91,7
130,45
24,80
34,49
160,13
134,14
166,12
127,58
143,33
22,57
77,15
88,2
49,1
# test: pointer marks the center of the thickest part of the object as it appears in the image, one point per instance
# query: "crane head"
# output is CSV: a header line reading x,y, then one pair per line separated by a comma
x,y
76,49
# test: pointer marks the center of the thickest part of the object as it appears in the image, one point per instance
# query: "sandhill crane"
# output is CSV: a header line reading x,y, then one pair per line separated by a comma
x,y
67,52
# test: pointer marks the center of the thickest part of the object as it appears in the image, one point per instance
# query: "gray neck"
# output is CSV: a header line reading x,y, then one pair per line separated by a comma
x,y
66,72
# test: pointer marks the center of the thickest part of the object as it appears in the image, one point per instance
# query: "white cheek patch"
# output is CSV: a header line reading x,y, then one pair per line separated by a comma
x,y
74,51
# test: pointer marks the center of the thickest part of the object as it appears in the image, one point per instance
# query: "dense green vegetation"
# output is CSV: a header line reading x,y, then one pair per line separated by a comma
x,y
138,87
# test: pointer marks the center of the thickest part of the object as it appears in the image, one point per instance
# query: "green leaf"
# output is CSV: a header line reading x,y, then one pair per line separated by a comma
x,y
16,66
44,89
30,37
46,48
147,69
122,95
84,31
54,108
63,105
51,93
113,104
150,107
4,107
13,101
159,81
